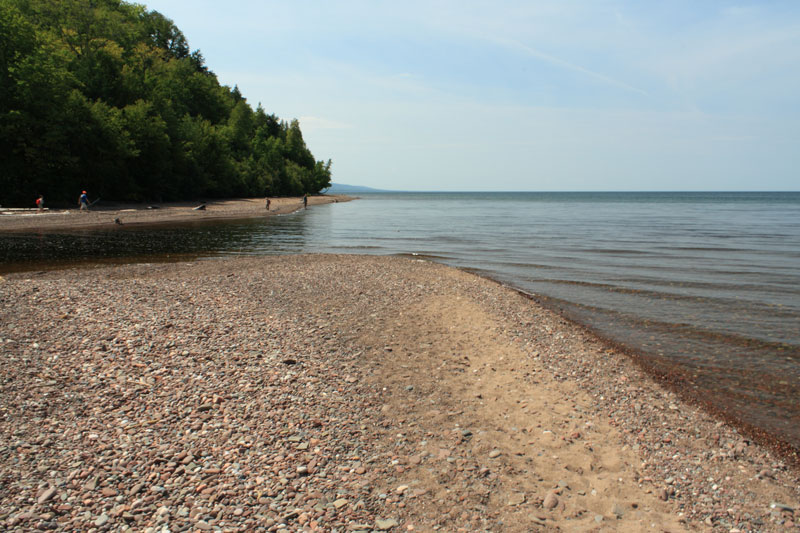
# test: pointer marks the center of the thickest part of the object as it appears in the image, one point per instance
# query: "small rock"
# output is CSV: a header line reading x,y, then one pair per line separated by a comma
x,y
494,454
46,495
385,525
101,520
550,501
516,498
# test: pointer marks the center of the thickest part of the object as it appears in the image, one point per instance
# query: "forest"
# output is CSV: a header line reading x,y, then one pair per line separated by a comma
x,y
106,96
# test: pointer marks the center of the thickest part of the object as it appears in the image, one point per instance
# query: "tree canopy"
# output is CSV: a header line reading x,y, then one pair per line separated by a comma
x,y
107,96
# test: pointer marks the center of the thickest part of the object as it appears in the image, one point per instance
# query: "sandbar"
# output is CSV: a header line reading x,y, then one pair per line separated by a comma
x,y
109,215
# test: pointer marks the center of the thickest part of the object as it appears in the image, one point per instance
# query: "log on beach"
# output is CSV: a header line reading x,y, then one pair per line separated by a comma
x,y
350,393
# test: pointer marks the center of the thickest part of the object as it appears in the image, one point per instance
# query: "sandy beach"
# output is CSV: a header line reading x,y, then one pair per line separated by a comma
x,y
109,215
345,393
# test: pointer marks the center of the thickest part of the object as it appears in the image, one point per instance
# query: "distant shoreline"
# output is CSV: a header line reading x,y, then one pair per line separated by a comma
x,y
114,214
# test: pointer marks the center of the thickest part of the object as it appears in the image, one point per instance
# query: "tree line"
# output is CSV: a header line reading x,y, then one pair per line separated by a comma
x,y
107,96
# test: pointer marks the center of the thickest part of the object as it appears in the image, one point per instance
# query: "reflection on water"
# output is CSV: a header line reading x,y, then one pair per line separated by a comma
x,y
705,285
273,235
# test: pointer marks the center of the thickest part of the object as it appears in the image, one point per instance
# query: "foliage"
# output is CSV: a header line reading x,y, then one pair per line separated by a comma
x,y
107,96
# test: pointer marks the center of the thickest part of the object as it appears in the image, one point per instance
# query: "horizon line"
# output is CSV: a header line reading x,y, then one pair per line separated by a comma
x,y
373,189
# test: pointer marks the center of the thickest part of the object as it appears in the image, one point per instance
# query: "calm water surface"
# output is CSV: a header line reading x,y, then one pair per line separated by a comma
x,y
703,284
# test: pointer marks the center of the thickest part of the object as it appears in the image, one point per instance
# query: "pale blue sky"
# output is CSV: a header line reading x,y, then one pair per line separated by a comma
x,y
521,95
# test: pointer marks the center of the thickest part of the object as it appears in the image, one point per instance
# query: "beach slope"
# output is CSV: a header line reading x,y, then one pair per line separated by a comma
x,y
313,393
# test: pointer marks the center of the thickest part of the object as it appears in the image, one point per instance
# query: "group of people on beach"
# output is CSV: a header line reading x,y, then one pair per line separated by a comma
x,y
83,202
305,202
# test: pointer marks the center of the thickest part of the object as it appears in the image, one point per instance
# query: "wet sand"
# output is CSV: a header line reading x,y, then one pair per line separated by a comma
x,y
105,215
313,393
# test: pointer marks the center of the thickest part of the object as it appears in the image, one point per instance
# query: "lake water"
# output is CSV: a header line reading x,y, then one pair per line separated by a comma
x,y
703,286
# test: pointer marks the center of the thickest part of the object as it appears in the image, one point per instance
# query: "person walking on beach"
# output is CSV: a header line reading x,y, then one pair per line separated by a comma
x,y
40,203
305,201
268,202
83,201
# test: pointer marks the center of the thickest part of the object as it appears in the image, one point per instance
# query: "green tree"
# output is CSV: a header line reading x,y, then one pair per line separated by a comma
x,y
148,170
106,95
164,35
35,85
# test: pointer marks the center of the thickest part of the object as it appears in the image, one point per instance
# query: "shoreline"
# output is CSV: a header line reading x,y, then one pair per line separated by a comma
x,y
675,380
450,399
104,216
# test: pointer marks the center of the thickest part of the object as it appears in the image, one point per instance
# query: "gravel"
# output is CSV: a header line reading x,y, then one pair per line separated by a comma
x,y
273,394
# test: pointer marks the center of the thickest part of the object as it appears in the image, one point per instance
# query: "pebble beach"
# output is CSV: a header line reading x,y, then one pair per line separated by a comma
x,y
346,393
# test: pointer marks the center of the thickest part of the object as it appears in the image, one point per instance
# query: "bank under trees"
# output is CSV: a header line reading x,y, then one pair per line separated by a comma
x,y
106,96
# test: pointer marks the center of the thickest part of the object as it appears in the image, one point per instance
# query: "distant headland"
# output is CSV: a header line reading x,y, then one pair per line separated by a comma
x,y
341,188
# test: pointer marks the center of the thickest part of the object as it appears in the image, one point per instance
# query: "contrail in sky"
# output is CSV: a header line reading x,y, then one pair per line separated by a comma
x,y
575,68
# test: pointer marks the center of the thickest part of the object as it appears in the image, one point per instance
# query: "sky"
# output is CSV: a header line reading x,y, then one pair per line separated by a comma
x,y
562,95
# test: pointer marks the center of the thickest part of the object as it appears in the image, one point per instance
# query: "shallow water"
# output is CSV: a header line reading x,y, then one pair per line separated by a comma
x,y
703,284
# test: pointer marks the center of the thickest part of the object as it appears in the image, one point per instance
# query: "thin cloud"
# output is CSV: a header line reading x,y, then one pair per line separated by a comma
x,y
733,138
573,67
